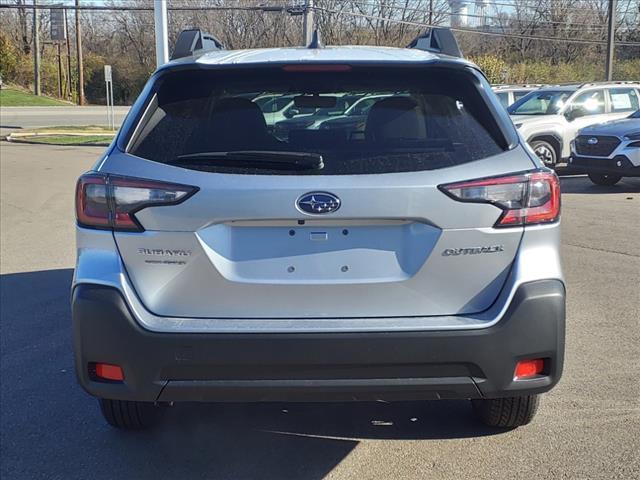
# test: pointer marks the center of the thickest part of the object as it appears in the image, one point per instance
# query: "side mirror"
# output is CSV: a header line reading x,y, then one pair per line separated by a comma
x,y
572,113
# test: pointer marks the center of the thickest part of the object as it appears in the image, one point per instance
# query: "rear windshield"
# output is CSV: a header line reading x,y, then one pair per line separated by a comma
x,y
357,121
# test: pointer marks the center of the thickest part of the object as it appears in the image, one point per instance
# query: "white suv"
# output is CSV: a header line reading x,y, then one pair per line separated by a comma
x,y
550,118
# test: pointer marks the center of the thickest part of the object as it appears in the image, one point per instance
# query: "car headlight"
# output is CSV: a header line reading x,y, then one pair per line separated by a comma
x,y
632,136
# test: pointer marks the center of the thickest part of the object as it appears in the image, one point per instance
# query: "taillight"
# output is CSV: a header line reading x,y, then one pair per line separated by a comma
x,y
528,368
301,67
526,199
110,202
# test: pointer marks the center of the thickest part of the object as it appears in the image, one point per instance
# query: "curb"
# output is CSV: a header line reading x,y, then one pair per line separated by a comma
x,y
57,133
24,137
29,142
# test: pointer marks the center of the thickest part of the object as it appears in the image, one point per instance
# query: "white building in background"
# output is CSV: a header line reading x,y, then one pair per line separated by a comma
x,y
459,13
460,16
481,13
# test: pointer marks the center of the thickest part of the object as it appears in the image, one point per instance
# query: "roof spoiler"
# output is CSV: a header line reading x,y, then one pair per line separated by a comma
x,y
193,41
437,40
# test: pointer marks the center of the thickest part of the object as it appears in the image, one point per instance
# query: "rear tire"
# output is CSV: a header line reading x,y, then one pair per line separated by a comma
x,y
604,180
128,415
508,412
546,152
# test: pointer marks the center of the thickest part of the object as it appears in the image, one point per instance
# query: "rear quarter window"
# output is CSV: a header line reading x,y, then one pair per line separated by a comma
x,y
402,119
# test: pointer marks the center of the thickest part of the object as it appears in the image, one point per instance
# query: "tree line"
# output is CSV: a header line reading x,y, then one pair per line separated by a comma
x,y
507,38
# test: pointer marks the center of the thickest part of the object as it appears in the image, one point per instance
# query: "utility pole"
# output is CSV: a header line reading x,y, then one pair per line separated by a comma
x,y
66,28
79,56
36,50
307,23
162,40
430,12
59,70
611,35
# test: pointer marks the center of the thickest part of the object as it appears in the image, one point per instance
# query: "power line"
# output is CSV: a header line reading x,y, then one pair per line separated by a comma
x,y
480,32
280,8
471,15
259,8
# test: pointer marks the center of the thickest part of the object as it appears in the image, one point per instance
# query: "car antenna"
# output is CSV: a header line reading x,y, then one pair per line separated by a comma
x,y
316,40
194,41
437,40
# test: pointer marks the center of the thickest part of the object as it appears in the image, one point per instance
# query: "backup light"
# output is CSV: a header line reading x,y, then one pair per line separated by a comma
x,y
526,199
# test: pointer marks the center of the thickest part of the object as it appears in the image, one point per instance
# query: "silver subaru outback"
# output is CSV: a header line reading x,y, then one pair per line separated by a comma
x,y
412,256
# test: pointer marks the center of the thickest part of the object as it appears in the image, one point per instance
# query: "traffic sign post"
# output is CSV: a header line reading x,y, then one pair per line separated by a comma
x,y
108,80
56,20
58,34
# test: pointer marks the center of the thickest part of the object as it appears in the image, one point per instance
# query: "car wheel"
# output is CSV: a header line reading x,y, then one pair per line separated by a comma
x,y
128,415
605,180
545,152
506,412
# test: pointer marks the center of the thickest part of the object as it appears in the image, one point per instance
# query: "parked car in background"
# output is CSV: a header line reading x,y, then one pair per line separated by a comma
x,y
314,120
353,120
609,151
278,107
509,94
550,118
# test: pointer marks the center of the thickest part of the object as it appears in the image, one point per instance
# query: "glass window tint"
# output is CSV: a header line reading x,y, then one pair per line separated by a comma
x,y
623,99
358,121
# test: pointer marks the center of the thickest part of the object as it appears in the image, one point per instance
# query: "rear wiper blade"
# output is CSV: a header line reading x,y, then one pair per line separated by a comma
x,y
268,159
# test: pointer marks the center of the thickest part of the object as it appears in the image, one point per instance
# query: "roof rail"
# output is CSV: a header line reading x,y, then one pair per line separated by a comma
x,y
504,86
609,82
193,41
437,40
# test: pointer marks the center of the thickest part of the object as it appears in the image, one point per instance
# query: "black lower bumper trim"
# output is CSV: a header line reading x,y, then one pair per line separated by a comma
x,y
606,166
319,366
342,390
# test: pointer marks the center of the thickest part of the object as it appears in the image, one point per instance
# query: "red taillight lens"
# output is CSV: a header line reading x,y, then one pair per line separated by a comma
x,y
527,199
297,67
529,368
106,371
107,201
92,207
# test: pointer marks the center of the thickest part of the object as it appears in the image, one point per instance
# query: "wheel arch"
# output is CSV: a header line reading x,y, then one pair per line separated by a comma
x,y
551,137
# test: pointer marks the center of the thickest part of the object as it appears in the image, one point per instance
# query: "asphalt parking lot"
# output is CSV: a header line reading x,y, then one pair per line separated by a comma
x,y
587,428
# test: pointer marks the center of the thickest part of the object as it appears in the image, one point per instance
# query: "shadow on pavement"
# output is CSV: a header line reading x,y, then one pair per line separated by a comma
x,y
52,429
582,184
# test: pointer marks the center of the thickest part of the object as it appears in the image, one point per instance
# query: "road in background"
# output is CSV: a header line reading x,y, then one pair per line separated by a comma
x,y
13,118
588,427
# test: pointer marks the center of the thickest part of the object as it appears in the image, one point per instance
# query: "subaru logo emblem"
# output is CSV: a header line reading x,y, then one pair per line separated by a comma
x,y
592,141
318,203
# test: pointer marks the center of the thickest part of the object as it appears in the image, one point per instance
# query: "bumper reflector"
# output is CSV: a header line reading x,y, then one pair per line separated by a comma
x,y
109,372
529,368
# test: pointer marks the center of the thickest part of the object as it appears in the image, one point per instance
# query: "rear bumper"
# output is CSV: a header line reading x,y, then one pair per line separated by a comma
x,y
319,366
619,165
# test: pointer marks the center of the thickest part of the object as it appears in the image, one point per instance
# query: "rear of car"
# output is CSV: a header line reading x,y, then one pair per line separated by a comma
x,y
609,151
413,255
